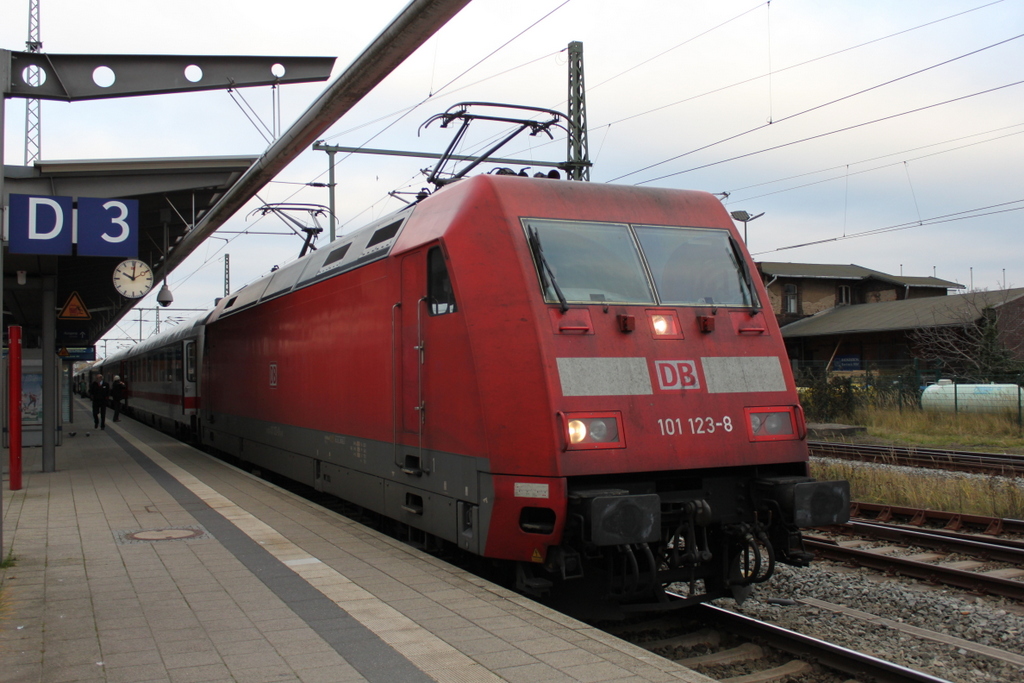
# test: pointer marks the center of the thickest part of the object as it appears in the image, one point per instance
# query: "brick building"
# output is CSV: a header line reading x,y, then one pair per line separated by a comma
x,y
798,290
856,336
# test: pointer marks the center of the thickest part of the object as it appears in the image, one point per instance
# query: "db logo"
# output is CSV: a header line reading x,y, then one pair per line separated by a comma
x,y
677,375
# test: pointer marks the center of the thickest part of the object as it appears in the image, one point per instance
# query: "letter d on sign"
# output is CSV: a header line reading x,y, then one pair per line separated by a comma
x,y
40,225
34,219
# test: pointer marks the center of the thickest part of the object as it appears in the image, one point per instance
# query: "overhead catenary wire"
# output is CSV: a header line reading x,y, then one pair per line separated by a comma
x,y
766,75
967,214
835,131
822,106
432,94
734,191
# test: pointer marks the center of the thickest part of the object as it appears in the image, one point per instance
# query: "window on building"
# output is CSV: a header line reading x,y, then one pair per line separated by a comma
x,y
789,299
844,296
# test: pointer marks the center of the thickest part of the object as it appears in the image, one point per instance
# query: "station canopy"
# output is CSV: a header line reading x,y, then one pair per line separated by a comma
x,y
173,194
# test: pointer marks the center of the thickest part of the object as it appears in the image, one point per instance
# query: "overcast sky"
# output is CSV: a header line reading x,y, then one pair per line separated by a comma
x,y
835,118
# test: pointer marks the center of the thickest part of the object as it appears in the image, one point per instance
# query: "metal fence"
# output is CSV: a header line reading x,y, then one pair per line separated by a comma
x,y
828,394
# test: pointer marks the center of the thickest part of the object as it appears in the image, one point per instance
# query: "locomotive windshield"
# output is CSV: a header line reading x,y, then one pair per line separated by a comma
x,y
693,266
591,262
644,264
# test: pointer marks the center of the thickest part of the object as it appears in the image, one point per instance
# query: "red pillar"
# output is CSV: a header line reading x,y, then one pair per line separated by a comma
x,y
14,404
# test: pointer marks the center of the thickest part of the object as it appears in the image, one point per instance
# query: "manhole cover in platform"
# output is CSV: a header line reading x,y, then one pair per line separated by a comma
x,y
181,533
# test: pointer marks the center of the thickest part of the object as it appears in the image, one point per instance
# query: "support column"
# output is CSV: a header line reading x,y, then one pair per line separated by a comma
x,y
50,386
5,85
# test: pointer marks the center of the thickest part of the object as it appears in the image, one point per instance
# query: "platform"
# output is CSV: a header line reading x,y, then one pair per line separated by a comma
x,y
831,430
142,559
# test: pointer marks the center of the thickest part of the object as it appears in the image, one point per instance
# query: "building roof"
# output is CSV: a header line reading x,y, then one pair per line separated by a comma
x,y
935,311
849,272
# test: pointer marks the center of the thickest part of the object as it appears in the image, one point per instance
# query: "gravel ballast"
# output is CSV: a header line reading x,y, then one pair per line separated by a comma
x,y
993,622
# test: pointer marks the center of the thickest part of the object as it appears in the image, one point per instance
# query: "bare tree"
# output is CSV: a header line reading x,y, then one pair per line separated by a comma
x,y
979,336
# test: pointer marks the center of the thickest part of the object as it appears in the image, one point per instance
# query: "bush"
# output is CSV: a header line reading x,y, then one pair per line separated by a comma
x,y
830,398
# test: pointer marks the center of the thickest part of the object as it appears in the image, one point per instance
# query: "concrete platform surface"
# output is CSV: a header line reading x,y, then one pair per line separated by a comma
x,y
141,559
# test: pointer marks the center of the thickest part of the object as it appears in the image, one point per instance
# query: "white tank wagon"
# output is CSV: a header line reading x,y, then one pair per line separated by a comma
x,y
947,397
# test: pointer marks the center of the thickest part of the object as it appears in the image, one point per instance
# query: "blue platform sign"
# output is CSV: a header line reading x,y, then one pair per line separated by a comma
x,y
40,225
46,225
108,227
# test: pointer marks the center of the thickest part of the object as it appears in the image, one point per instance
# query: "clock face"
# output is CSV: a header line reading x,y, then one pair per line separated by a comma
x,y
133,278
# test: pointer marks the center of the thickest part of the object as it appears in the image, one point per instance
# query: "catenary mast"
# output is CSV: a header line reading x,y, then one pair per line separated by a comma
x,y
33,122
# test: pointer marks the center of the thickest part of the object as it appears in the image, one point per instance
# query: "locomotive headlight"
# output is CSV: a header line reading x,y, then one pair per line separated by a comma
x,y
599,430
771,424
778,423
664,324
593,430
577,431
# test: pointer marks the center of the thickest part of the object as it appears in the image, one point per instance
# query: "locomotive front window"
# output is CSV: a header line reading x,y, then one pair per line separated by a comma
x,y
591,262
693,266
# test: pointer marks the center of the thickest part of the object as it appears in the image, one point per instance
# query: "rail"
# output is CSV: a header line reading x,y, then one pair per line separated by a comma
x,y
827,654
1003,464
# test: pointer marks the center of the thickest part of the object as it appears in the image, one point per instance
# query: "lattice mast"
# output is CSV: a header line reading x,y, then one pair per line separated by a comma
x,y
577,154
33,122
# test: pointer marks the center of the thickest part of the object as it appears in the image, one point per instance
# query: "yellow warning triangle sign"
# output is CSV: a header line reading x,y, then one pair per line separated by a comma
x,y
74,309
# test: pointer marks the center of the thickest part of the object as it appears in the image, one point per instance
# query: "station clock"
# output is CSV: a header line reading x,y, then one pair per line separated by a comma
x,y
133,278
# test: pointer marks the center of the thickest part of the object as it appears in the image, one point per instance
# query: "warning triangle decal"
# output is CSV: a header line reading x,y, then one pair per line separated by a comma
x,y
74,309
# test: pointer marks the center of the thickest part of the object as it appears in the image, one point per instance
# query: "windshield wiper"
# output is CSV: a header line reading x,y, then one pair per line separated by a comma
x,y
546,273
747,280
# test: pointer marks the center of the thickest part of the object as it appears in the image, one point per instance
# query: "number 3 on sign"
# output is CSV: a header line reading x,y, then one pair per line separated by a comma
x,y
119,221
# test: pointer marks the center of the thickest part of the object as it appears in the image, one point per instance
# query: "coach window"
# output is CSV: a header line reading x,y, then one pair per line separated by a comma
x,y
190,362
440,296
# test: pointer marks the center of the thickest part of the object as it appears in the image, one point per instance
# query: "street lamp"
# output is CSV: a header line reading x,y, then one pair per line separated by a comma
x,y
744,217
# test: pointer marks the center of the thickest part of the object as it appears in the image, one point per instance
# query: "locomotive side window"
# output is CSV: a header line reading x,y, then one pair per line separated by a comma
x,y
591,262
696,266
440,295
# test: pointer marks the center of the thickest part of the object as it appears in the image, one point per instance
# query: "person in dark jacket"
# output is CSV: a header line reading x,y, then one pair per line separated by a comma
x,y
118,394
99,392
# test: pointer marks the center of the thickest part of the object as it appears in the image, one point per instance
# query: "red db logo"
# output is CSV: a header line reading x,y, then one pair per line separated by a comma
x,y
677,375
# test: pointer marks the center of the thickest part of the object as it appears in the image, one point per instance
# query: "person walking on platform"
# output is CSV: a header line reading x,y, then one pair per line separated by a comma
x,y
118,393
99,392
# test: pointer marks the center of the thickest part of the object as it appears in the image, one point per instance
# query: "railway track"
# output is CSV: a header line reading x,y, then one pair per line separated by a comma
x,y
734,648
1002,464
984,563
952,521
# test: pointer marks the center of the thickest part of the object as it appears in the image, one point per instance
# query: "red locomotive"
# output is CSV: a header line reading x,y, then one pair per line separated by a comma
x,y
580,379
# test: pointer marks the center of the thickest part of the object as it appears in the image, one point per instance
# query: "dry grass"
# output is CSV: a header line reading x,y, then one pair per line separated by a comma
x,y
947,491
951,492
998,431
